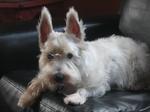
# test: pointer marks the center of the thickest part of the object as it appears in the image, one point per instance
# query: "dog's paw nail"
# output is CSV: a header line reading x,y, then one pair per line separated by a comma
x,y
74,99
20,104
66,101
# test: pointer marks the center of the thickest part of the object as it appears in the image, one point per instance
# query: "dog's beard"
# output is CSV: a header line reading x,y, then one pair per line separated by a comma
x,y
66,88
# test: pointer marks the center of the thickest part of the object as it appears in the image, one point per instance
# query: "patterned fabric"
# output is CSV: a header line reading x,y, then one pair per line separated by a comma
x,y
11,91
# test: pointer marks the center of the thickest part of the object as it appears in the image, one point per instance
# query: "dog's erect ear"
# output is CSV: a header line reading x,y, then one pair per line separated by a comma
x,y
73,25
45,26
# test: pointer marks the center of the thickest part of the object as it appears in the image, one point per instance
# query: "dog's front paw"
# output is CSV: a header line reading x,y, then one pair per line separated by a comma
x,y
75,98
25,100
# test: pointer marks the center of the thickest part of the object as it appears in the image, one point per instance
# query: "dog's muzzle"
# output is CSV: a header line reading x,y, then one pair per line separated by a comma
x,y
65,88
62,84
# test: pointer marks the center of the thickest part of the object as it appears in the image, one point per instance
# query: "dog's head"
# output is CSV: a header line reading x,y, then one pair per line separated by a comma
x,y
61,51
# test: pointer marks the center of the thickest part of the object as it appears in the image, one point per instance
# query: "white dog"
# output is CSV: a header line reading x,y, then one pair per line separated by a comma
x,y
68,63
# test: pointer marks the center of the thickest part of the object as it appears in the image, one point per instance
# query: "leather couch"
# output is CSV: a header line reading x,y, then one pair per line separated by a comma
x,y
18,63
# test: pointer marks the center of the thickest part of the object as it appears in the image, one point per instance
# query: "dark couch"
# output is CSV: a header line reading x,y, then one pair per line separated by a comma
x,y
18,63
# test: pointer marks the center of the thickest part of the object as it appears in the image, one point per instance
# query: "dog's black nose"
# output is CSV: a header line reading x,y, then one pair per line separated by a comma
x,y
58,77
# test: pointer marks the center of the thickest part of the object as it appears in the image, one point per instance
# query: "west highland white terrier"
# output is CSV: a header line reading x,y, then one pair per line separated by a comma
x,y
68,63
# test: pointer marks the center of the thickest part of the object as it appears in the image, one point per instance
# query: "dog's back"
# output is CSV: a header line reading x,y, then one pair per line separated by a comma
x,y
127,61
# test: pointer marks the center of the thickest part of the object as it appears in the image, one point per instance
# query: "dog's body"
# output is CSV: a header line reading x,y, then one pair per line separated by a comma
x,y
85,68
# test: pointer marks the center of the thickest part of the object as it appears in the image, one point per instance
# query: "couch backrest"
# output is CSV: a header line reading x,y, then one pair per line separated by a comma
x,y
17,50
135,19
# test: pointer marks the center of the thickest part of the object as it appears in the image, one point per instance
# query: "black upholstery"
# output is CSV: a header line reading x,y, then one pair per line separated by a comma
x,y
18,50
19,64
114,101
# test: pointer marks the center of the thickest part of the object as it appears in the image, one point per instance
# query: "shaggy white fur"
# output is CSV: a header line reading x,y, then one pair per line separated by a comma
x,y
91,67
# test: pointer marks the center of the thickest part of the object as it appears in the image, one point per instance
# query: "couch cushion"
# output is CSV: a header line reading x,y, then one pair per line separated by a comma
x,y
11,88
135,19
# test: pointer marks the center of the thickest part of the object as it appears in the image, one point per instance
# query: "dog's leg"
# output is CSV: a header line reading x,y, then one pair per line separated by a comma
x,y
38,85
81,95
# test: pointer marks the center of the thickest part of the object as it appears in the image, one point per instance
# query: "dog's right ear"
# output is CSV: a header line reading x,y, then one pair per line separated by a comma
x,y
44,27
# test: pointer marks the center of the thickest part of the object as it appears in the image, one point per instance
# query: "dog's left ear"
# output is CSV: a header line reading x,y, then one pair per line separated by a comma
x,y
73,25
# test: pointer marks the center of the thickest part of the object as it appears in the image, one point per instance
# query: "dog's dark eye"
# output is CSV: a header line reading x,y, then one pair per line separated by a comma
x,y
69,55
50,56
